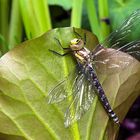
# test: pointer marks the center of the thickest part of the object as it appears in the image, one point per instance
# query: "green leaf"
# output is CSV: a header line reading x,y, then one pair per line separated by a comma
x,y
15,30
36,17
4,22
92,15
30,71
76,14
103,15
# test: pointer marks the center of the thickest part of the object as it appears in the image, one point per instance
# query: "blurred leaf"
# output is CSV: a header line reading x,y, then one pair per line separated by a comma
x,y
90,7
15,30
103,10
3,44
66,4
29,71
36,17
76,14
4,23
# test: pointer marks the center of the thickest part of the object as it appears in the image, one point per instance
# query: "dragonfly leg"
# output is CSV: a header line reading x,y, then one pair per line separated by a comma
x,y
85,39
80,35
76,33
61,44
64,54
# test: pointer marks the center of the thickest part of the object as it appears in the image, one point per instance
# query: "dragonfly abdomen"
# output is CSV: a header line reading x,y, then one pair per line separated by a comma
x,y
95,82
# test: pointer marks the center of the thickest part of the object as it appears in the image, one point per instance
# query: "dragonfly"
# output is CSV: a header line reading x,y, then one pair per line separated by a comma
x,y
84,81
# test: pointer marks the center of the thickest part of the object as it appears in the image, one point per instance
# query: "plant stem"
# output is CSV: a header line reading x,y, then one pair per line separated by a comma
x,y
104,18
35,16
93,19
15,31
76,13
4,17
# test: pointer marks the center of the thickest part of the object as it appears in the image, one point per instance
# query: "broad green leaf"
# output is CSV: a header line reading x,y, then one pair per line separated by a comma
x,y
30,71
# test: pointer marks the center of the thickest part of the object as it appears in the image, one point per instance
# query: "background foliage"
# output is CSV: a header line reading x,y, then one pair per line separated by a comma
x,y
23,19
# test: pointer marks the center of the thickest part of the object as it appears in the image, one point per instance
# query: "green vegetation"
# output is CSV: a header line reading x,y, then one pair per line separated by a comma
x,y
33,18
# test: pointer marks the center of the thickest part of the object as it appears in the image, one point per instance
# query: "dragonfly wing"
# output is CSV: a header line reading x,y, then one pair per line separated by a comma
x,y
133,48
121,37
81,101
57,94
113,60
61,90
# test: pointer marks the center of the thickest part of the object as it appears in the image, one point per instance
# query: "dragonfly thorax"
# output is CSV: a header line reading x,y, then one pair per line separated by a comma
x,y
80,52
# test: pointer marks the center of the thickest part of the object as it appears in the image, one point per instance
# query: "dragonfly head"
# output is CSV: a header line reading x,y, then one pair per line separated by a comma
x,y
76,44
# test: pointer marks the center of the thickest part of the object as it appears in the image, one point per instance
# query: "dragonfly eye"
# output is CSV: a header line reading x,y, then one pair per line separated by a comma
x,y
75,41
76,44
